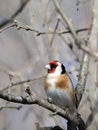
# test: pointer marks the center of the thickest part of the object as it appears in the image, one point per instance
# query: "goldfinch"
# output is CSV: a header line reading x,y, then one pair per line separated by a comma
x,y
59,88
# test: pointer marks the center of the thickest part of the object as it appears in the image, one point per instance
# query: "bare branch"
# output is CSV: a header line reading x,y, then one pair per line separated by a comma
x,y
75,117
54,32
38,33
68,22
80,87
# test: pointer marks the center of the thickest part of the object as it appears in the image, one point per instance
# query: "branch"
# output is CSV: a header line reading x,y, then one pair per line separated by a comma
x,y
19,10
78,42
80,87
38,33
21,82
70,27
54,32
75,118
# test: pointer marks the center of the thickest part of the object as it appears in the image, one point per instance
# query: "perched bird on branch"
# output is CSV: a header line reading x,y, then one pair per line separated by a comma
x,y
59,87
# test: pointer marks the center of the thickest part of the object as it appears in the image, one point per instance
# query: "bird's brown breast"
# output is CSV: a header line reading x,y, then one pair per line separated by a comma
x,y
62,81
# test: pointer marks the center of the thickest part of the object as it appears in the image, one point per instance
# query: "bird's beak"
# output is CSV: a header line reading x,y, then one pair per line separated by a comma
x,y
47,67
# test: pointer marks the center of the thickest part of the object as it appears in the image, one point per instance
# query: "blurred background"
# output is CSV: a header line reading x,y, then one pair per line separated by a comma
x,y
23,54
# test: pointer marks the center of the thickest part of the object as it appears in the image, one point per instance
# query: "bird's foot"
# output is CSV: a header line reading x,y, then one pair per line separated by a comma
x,y
50,100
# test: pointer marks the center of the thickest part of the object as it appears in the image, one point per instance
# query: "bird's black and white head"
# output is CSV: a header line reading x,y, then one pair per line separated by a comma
x,y
55,68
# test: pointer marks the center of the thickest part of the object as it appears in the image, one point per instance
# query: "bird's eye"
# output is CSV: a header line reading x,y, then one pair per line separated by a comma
x,y
53,66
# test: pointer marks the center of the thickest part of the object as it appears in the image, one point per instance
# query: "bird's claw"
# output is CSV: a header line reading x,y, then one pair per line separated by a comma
x,y
50,100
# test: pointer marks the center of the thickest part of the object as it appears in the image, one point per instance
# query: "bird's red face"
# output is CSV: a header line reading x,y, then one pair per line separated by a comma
x,y
51,66
55,68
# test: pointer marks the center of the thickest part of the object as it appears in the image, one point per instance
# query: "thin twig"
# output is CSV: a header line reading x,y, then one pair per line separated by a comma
x,y
38,33
21,82
54,32
70,27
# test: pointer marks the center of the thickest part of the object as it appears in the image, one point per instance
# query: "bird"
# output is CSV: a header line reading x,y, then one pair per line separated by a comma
x,y
59,87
